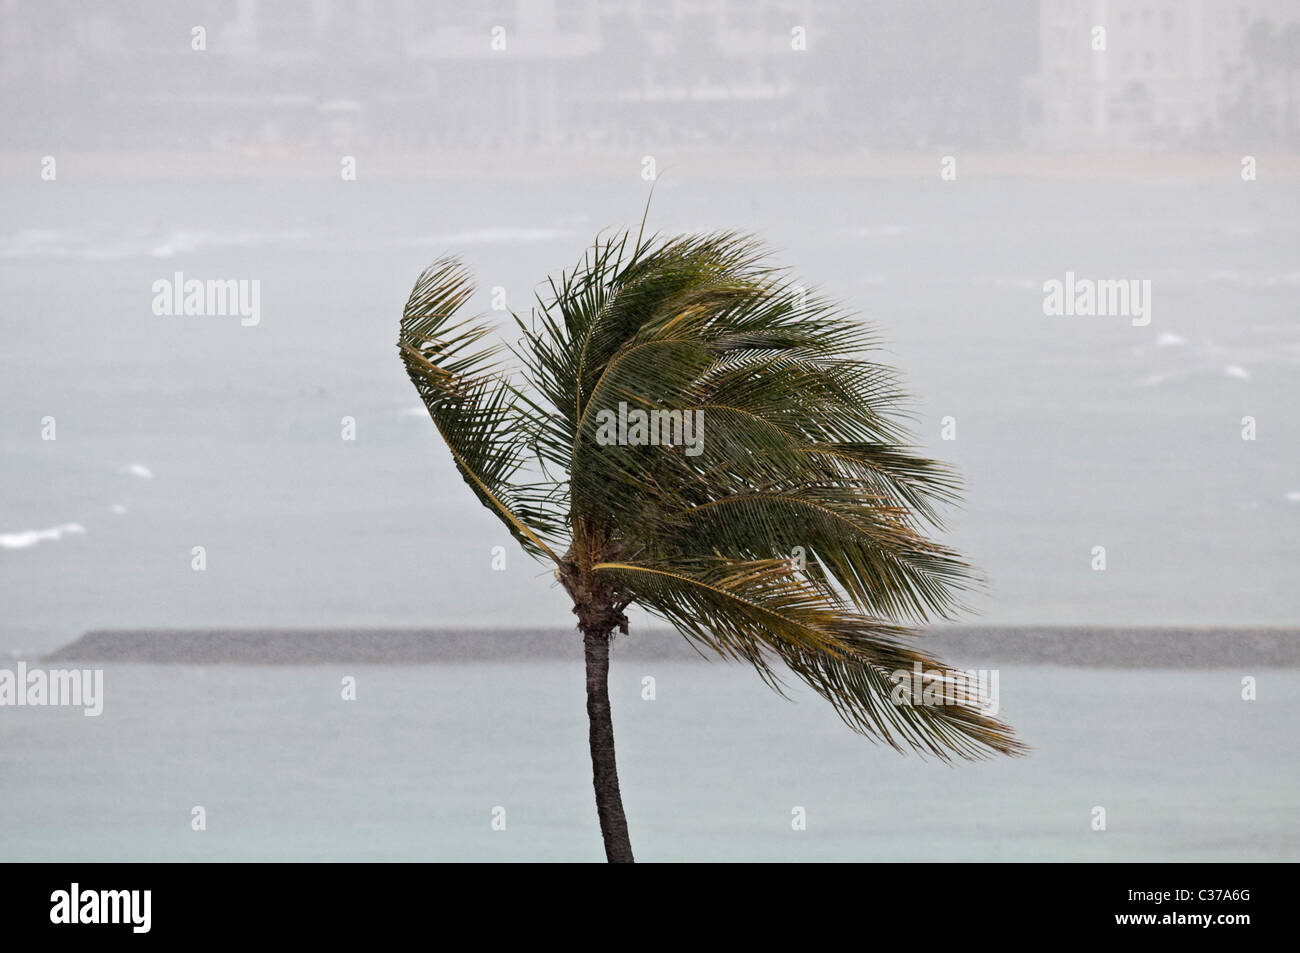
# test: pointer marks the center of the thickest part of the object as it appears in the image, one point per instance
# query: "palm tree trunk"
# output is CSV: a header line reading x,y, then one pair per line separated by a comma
x,y
604,771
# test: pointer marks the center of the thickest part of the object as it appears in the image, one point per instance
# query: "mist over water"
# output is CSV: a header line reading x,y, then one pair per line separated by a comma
x,y
937,167
1071,432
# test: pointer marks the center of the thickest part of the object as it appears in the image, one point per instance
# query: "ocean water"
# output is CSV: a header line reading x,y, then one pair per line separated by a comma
x,y
176,432
1071,433
711,769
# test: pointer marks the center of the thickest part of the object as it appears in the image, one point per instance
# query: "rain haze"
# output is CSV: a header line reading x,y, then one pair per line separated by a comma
x,y
1079,249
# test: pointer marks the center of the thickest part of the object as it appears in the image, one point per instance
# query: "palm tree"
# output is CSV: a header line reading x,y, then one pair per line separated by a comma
x,y
802,449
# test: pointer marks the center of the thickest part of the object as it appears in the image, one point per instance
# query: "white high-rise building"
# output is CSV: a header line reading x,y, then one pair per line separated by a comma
x,y
1124,73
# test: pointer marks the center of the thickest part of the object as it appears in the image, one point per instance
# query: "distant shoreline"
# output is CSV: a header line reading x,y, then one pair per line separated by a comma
x,y
1094,647
756,162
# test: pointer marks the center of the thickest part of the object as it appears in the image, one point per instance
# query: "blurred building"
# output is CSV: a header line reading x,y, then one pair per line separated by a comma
x,y
534,73
1172,72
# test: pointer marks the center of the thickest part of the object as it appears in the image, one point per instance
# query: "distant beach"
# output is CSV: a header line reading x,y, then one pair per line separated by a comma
x,y
759,163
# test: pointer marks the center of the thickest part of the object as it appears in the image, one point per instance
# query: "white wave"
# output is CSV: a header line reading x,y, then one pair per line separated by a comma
x,y
103,243
140,470
1284,279
1166,339
880,231
1210,358
27,538
501,235
1288,279
186,241
1153,380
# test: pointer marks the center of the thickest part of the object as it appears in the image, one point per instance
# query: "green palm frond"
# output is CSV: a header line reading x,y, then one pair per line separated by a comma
x,y
471,404
803,446
763,613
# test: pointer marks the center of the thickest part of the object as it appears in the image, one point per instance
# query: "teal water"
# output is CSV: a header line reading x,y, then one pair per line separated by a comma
x,y
1071,433
711,769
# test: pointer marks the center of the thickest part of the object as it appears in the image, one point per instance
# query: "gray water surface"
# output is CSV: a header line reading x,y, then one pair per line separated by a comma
x,y
711,769
1071,432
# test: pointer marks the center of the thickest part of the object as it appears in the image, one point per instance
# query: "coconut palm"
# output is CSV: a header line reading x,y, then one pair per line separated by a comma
x,y
793,537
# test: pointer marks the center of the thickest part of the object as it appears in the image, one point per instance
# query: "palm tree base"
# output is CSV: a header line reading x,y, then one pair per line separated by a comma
x,y
604,770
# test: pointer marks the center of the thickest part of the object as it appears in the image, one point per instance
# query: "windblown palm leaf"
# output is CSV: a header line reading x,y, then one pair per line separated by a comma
x,y
802,447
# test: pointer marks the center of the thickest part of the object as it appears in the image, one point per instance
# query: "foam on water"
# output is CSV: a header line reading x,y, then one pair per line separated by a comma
x,y
27,538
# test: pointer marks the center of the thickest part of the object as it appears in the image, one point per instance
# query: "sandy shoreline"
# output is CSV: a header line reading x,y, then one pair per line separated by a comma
x,y
756,163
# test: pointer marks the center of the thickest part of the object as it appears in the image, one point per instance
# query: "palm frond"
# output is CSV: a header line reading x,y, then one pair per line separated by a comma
x,y
471,404
762,612
804,444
